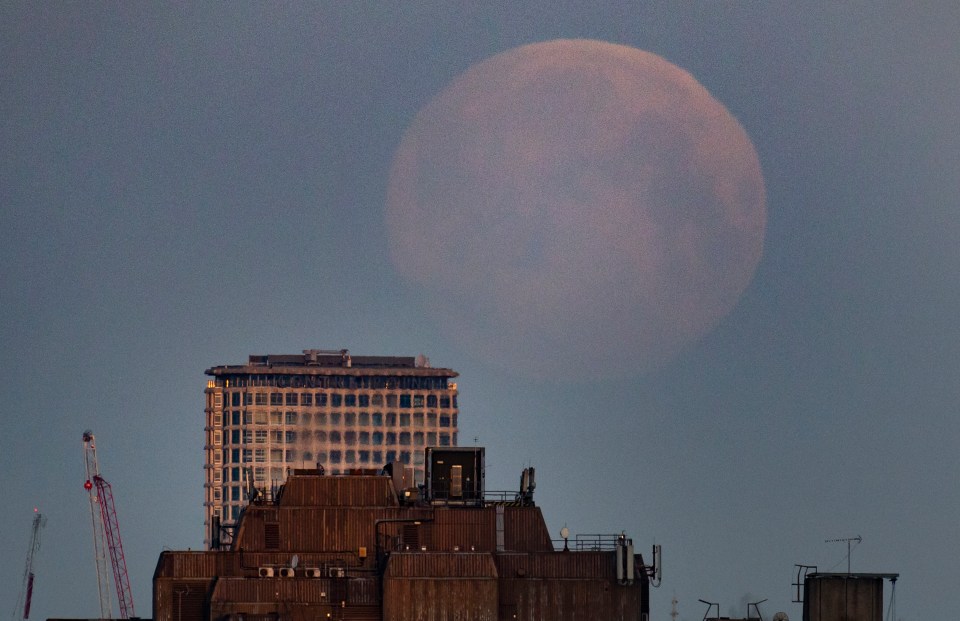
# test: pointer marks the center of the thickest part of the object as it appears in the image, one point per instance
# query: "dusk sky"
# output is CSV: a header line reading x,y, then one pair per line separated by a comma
x,y
182,186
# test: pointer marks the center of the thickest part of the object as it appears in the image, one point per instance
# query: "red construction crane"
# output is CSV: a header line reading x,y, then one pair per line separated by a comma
x,y
26,593
106,535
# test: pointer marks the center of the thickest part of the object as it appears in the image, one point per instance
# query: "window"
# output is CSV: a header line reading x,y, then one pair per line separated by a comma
x,y
321,399
307,456
259,473
378,457
404,400
391,456
260,456
261,436
350,419
291,455
248,398
336,457
216,475
432,438
454,418
260,398
391,419
291,437
248,418
418,419
235,475
418,401
248,436
418,438
444,439
235,399
404,419
321,457
444,420
391,401
260,417
364,457
391,438
217,438
336,400
364,437
377,419
363,401
350,400
444,402
217,459
321,436
350,438
363,419
235,493
321,418
235,456
292,398
431,401
217,419
432,419
334,437
350,457
235,418
218,401
306,398
405,457
306,417
276,398
377,438
334,418
377,399
418,458
454,400
247,456
405,438
235,436
276,455
291,418
276,417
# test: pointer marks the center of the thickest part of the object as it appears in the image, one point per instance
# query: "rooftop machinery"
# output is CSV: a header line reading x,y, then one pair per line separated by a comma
x,y
26,592
106,535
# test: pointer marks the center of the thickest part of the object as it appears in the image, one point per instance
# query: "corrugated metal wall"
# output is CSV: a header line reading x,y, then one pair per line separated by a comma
x,y
440,599
337,491
843,598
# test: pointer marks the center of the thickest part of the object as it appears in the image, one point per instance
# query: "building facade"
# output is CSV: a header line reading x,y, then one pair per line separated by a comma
x,y
319,409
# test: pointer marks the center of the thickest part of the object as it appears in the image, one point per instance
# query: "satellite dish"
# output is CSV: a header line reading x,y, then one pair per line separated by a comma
x,y
781,616
296,561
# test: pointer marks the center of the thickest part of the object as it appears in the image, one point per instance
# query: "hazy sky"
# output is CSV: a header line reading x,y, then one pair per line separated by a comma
x,y
184,185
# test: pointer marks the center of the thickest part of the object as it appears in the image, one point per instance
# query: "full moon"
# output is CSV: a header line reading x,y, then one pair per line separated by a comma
x,y
576,206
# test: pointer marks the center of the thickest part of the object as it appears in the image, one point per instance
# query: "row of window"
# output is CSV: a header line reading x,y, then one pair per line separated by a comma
x,y
350,438
375,382
237,418
337,399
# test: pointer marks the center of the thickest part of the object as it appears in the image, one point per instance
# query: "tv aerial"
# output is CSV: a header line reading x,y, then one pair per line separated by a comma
x,y
848,541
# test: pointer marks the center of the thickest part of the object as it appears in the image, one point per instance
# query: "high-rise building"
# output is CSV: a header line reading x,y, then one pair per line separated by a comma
x,y
319,409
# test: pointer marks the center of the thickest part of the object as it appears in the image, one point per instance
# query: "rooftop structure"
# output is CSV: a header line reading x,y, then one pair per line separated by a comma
x,y
322,409
369,546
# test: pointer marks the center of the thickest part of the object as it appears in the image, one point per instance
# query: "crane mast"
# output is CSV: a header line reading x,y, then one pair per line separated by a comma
x,y
26,593
106,536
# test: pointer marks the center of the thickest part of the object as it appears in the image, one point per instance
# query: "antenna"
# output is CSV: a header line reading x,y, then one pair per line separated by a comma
x,y
673,609
848,541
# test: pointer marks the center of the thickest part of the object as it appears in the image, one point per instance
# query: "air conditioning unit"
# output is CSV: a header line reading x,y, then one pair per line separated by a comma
x,y
312,572
286,572
266,572
337,572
